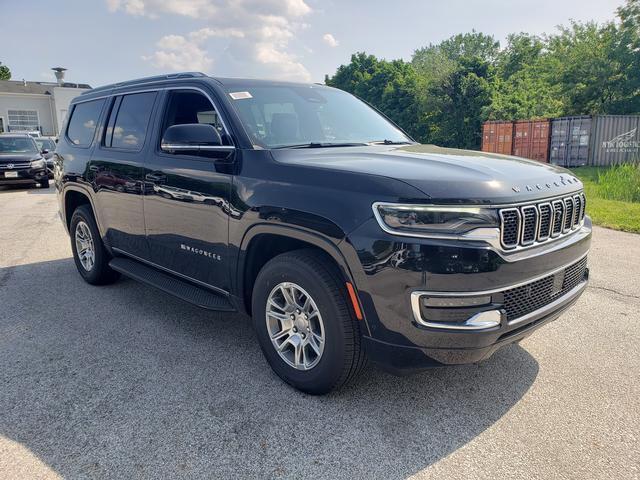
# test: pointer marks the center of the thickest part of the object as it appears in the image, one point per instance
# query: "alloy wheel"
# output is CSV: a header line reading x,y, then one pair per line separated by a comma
x,y
84,246
295,326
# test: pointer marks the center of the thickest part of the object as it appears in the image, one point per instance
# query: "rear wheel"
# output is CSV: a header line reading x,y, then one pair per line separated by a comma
x,y
89,253
305,324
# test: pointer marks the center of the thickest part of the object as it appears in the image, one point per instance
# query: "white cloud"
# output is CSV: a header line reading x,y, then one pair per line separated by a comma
x,y
258,32
330,40
179,53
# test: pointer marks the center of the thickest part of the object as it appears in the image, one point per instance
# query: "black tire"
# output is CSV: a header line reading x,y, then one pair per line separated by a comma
x,y
343,357
100,273
44,183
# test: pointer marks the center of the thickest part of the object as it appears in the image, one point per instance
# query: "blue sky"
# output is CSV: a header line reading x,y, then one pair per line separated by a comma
x,y
103,41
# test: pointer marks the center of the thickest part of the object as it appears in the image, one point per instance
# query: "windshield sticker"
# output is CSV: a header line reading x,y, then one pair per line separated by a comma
x,y
240,95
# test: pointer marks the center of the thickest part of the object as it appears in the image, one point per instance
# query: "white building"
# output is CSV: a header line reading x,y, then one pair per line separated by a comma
x,y
36,106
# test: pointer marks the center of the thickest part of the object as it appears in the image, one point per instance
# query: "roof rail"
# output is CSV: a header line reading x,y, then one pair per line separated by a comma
x,y
139,81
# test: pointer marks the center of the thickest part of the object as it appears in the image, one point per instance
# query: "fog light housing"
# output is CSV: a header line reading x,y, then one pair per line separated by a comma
x,y
464,312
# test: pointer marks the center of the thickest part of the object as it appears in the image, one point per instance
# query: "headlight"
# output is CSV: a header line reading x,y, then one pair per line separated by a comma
x,y
437,221
40,163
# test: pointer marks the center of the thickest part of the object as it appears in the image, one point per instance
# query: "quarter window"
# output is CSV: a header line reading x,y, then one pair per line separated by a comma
x,y
83,122
127,127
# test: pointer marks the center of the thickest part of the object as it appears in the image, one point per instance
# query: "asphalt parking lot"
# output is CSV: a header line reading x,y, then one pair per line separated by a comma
x,y
123,381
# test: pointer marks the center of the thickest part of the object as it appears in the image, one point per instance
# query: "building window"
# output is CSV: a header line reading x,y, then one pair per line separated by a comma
x,y
1,125
23,120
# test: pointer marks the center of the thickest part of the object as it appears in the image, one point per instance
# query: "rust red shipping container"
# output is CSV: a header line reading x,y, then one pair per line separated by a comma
x,y
524,138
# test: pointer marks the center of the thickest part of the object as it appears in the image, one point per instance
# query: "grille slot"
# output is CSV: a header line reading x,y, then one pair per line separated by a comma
x,y
568,215
528,298
530,224
577,214
510,227
544,226
558,216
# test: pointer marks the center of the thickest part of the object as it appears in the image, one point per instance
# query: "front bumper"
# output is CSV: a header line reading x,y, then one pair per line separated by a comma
x,y
25,175
479,344
398,272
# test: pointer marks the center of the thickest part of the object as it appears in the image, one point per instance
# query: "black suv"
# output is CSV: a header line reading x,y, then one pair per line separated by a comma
x,y
21,161
305,208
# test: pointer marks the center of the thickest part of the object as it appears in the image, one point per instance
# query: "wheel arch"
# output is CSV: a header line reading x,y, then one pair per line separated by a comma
x,y
263,242
74,196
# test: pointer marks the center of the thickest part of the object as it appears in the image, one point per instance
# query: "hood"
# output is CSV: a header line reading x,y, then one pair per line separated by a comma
x,y
6,158
444,174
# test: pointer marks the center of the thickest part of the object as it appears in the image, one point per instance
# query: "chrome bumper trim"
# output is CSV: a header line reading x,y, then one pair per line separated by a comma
x,y
488,319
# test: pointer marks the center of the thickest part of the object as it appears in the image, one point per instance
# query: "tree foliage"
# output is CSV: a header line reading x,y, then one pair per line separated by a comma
x,y
5,73
448,89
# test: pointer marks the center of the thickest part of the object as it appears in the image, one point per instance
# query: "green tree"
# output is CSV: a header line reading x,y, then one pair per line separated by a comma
x,y
523,87
627,52
448,89
5,73
457,75
390,86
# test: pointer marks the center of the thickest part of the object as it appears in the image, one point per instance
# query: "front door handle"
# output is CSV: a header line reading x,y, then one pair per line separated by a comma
x,y
156,177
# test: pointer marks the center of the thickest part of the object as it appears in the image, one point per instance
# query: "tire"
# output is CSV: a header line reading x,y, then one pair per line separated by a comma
x,y
312,274
44,183
99,272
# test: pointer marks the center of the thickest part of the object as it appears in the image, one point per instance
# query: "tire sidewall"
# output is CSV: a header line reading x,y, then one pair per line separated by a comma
x,y
93,275
325,374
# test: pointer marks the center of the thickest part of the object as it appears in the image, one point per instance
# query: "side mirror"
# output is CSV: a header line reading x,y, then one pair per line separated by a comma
x,y
193,137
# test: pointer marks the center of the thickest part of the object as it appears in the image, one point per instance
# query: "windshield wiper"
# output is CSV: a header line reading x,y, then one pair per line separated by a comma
x,y
322,145
390,142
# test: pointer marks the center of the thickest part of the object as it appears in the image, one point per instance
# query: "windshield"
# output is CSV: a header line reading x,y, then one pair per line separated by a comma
x,y
45,144
17,145
280,116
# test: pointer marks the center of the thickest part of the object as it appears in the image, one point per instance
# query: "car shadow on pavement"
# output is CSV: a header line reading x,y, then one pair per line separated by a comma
x,y
124,381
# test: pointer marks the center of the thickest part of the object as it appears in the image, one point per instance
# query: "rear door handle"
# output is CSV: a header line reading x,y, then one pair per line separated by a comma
x,y
156,177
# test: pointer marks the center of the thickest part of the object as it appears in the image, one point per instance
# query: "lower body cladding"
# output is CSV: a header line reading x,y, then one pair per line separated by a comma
x,y
431,303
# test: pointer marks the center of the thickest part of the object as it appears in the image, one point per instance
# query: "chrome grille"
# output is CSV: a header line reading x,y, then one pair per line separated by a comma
x,y
568,214
529,224
16,166
534,223
546,219
558,215
510,227
577,202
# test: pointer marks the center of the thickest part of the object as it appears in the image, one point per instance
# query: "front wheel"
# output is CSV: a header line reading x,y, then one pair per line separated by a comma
x,y
44,183
304,323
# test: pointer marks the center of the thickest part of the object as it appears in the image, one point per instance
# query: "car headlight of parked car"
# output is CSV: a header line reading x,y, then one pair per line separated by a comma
x,y
39,163
433,221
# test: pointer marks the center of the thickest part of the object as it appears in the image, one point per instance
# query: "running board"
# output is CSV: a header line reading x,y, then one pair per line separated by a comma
x,y
172,285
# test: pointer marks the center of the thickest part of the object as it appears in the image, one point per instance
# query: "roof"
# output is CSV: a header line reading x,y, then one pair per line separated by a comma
x,y
158,80
37,88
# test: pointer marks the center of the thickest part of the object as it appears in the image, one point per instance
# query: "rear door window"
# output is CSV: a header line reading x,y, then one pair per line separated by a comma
x,y
129,120
83,122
